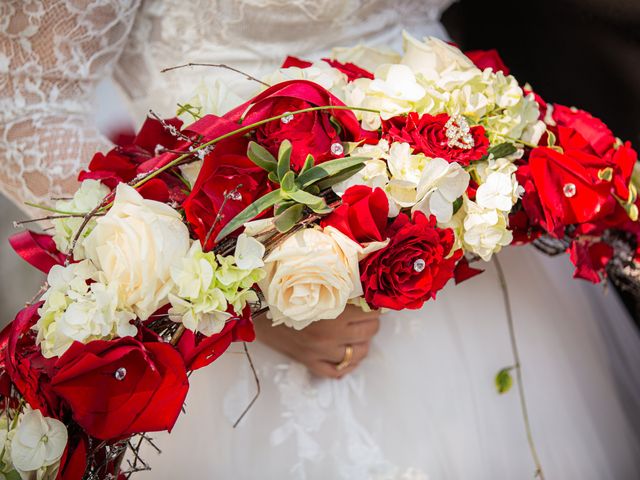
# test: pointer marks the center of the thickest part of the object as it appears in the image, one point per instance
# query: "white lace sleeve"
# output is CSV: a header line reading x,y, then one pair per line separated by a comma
x,y
52,55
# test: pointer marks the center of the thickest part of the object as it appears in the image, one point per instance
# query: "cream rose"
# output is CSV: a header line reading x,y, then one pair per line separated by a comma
x,y
135,244
312,275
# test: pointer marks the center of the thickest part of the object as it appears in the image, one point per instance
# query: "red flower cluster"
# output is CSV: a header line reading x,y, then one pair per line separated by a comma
x,y
427,134
416,264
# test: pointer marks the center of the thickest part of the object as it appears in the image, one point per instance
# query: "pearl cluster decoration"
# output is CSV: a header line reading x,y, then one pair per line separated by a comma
x,y
458,133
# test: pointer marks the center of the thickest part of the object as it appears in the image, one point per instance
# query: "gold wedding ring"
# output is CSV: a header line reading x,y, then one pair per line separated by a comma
x,y
346,360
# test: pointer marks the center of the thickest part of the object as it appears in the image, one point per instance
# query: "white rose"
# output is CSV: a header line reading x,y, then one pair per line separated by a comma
x,y
433,57
38,442
88,196
135,244
312,275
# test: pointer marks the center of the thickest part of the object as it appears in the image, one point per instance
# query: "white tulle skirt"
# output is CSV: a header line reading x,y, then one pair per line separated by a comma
x,y
423,404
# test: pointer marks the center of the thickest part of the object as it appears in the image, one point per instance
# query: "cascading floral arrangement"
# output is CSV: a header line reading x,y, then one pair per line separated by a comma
x,y
370,178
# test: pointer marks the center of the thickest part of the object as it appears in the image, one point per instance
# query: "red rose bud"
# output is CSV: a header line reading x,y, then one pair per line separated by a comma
x,y
363,214
428,134
122,387
309,133
487,59
413,267
224,170
199,351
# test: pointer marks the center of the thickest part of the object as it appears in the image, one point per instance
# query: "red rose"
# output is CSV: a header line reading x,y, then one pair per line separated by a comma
x,y
487,59
351,70
569,187
224,170
124,162
28,370
199,351
362,215
413,267
579,130
427,134
309,133
121,387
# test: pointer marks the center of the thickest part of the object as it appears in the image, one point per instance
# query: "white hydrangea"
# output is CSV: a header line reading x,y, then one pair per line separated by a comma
x,y
440,185
88,196
206,284
190,171
485,230
34,447
208,98
76,310
319,72
500,191
366,57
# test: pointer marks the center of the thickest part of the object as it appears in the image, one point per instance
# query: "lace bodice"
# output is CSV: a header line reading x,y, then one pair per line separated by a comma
x,y
54,52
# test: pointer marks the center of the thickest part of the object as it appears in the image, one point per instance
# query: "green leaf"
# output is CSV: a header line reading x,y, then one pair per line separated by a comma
x,y
251,212
261,157
349,172
306,198
288,182
273,176
502,150
282,206
504,380
284,158
308,163
457,204
289,218
551,138
328,169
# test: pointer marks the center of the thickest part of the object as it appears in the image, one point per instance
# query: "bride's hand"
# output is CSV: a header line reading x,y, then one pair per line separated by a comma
x,y
322,345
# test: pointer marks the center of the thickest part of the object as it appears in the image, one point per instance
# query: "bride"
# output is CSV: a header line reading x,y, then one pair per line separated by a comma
x,y
418,399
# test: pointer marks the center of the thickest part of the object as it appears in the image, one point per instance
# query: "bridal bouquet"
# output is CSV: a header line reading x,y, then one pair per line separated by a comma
x,y
369,178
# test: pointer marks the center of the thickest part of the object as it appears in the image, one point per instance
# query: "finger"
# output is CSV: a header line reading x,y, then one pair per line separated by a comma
x,y
353,314
362,331
329,370
339,353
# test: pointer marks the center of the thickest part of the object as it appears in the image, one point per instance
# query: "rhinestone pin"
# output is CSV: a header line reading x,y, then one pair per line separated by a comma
x,y
120,373
235,195
287,117
569,190
458,133
419,265
337,149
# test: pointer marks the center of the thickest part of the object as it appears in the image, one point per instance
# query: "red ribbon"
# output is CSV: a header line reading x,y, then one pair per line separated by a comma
x,y
37,249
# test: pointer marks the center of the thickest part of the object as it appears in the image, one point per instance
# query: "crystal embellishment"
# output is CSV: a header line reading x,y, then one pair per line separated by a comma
x,y
458,133
287,117
419,265
569,190
337,149
120,373
235,195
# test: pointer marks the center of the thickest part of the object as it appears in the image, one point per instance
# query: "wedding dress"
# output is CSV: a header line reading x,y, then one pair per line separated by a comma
x,y
423,404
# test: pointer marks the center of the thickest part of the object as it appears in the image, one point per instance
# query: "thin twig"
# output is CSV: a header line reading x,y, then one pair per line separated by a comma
x,y
257,380
539,473
216,65
51,217
219,215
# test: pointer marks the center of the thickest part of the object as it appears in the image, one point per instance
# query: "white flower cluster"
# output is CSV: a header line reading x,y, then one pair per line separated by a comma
x,y
31,446
137,258
206,285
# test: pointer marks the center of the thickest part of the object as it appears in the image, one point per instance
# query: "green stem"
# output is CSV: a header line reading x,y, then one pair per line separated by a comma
x,y
539,473
54,210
